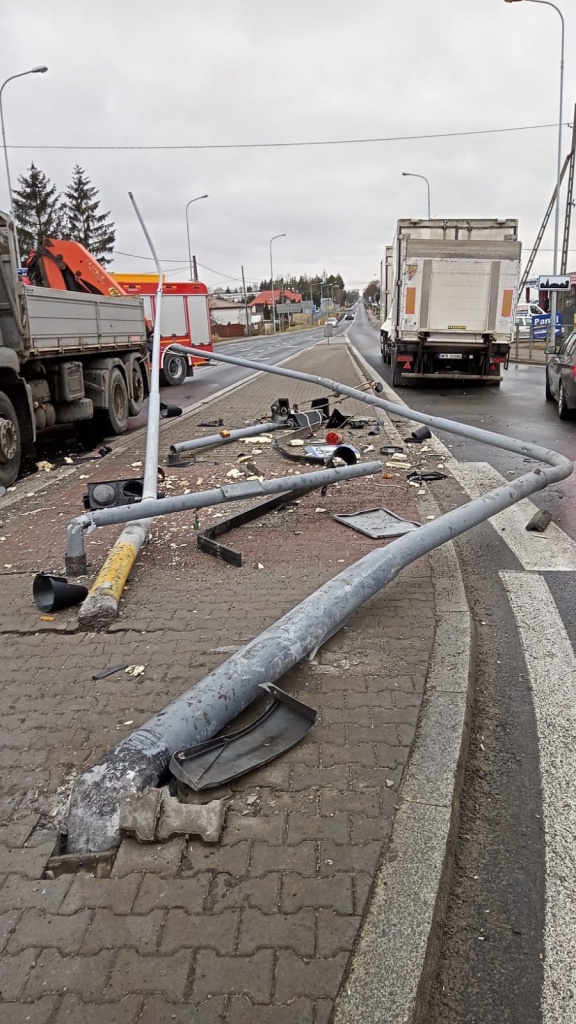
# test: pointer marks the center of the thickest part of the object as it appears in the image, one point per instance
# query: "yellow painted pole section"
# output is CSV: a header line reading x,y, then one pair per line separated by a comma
x,y
116,569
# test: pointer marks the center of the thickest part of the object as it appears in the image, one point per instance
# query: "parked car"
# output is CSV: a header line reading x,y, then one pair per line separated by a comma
x,y
561,376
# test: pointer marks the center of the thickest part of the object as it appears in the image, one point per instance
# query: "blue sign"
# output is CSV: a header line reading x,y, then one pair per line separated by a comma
x,y
541,326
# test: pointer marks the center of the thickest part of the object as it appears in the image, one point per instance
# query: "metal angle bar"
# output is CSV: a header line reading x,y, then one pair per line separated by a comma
x,y
142,759
206,539
202,499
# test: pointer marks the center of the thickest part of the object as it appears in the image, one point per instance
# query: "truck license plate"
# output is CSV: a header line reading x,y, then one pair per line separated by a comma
x,y
449,355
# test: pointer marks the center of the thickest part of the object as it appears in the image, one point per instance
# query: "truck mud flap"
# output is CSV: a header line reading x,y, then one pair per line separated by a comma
x,y
218,761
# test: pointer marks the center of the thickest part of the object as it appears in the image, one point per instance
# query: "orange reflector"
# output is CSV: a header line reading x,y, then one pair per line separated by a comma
x,y
410,301
507,300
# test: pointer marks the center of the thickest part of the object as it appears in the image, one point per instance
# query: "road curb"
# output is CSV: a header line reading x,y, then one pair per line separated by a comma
x,y
396,955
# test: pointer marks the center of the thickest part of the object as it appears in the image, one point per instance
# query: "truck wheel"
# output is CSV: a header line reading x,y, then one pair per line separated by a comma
x,y
10,442
138,390
174,370
115,417
397,381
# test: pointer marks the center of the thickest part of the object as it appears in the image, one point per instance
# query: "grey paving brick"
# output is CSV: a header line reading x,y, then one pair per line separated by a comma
x,y
299,892
365,830
331,802
62,932
276,931
75,1011
156,858
336,933
201,857
84,975
300,858
167,893
89,892
336,857
192,931
23,861
358,753
323,1011
158,1010
8,922
298,1011
121,931
333,776
335,826
39,1012
362,888
241,975
227,892
138,974
315,978
241,827
14,971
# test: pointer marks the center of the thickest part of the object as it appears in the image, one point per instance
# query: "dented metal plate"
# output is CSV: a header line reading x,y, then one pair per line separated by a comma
x,y
378,523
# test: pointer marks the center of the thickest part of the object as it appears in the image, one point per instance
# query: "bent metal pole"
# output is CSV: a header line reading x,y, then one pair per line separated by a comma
x,y
151,507
141,760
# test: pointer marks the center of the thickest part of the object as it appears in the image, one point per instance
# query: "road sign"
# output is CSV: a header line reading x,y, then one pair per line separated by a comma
x,y
554,283
541,326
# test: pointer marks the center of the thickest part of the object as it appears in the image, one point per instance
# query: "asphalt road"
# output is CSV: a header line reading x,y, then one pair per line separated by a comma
x,y
508,951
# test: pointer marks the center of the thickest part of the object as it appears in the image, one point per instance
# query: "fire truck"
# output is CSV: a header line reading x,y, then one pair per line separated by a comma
x,y
185,320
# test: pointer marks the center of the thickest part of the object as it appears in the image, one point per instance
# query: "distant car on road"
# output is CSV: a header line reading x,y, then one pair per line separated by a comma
x,y
349,316
522,325
332,321
561,376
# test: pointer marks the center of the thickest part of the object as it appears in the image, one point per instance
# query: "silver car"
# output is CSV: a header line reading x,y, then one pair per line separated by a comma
x,y
561,376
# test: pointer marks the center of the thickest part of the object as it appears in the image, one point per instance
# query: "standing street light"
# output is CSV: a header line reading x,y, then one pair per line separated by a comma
x,y
553,296
407,174
33,71
188,231
274,237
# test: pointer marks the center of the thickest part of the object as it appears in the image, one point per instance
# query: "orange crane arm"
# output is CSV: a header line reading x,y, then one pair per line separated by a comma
x,y
68,266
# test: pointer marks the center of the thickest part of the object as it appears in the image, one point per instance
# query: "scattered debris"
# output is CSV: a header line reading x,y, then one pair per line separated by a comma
x,y
539,521
139,813
420,476
377,523
216,762
418,435
296,443
391,449
205,820
212,423
135,670
234,474
320,509
46,467
207,539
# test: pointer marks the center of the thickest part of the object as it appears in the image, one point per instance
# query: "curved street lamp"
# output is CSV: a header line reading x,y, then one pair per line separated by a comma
x,y
407,174
552,295
40,70
274,237
195,200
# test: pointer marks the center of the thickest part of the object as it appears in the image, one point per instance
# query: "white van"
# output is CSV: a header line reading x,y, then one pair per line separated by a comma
x,y
529,309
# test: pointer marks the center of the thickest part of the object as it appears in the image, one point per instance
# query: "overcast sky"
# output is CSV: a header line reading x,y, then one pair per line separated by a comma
x,y
219,72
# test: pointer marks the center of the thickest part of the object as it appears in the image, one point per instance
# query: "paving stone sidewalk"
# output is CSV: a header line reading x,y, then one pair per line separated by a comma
x,y
260,926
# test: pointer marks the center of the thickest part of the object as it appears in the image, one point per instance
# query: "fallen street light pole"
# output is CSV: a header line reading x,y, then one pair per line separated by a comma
x,y
227,436
141,760
149,508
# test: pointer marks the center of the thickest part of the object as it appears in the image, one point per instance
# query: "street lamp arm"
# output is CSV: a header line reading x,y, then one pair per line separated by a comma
x,y
189,203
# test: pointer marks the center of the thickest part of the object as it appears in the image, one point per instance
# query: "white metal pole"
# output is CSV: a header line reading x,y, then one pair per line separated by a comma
x,y
153,430
33,71
195,200
274,237
408,174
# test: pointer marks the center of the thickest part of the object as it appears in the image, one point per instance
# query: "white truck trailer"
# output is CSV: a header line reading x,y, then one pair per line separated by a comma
x,y
448,295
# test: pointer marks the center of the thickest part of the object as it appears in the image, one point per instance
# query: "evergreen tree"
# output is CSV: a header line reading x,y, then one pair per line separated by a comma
x,y
82,220
37,208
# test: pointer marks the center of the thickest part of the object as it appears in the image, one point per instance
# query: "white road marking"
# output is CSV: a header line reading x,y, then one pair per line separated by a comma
x,y
552,668
552,551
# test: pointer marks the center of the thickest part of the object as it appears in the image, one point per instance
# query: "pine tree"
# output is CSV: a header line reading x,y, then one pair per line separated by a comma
x,y
38,209
82,220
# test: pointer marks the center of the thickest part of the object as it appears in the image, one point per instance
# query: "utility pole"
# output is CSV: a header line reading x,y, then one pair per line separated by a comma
x,y
248,323
194,269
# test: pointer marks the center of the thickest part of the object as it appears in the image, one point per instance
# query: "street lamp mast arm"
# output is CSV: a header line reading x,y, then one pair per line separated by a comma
x,y
408,174
195,200
39,70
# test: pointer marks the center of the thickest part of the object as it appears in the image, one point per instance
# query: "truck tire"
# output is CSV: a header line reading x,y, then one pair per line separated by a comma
x,y
397,381
10,442
114,419
138,388
174,370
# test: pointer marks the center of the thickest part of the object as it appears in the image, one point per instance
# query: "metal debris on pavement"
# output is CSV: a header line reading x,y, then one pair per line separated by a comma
x,y
110,671
284,723
377,523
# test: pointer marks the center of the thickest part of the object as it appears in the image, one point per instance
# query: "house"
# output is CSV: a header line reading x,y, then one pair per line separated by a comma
x,y
280,295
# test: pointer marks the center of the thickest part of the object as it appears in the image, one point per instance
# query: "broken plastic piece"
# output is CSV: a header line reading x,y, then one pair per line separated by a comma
x,y
216,762
378,523
539,521
422,475
52,593
420,434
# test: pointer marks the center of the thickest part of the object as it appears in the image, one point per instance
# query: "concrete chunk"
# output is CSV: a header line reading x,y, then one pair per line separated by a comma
x,y
139,813
205,820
